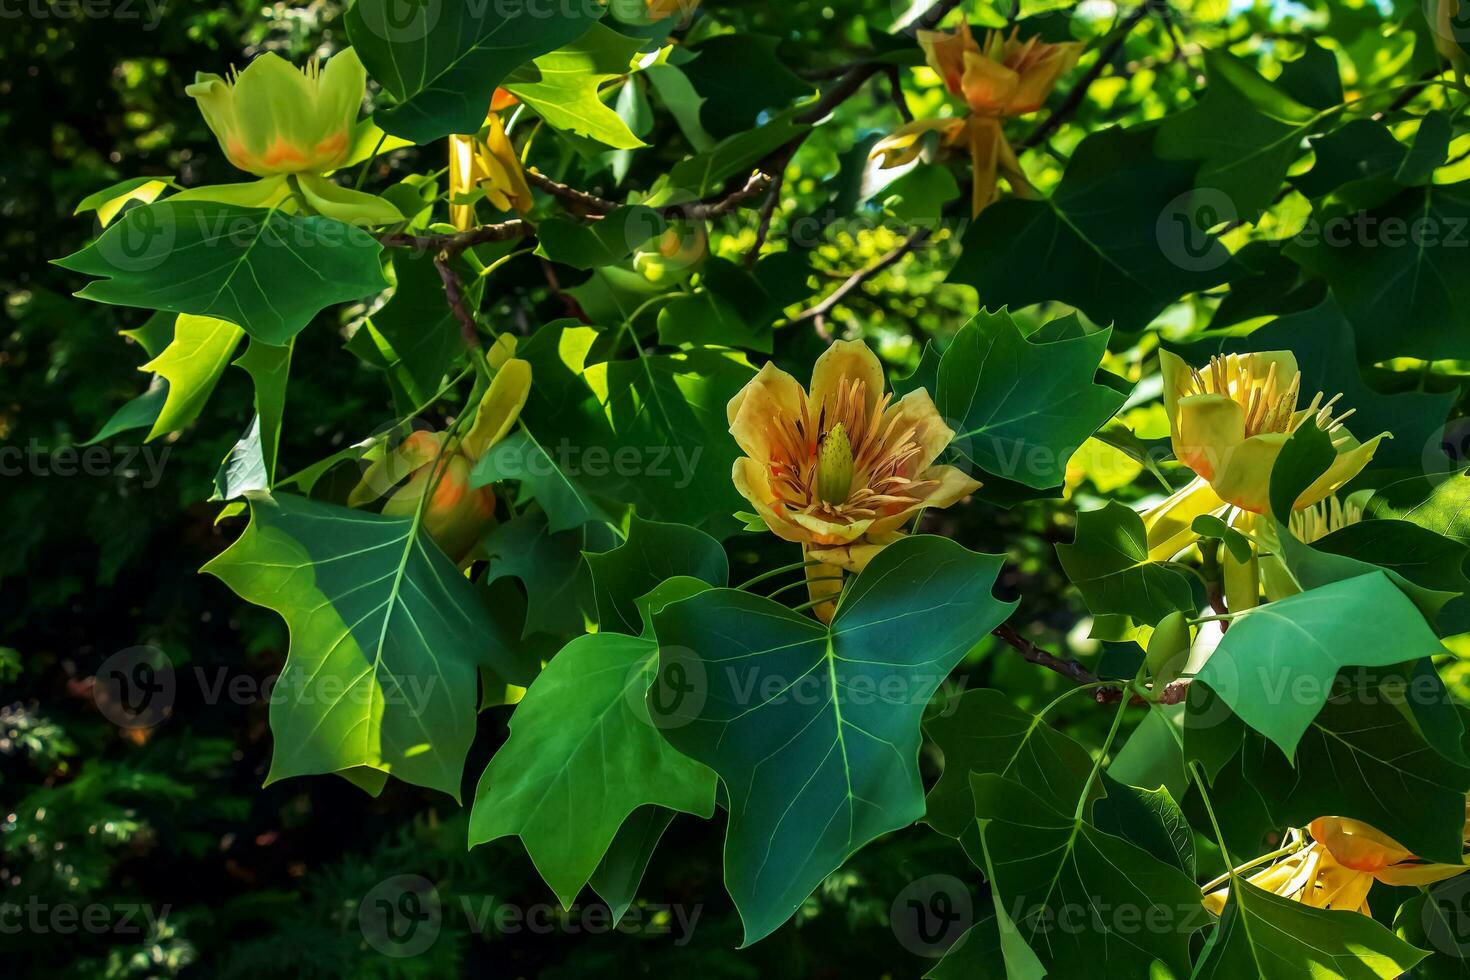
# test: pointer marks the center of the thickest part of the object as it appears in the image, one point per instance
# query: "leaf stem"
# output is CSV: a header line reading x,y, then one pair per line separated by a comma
x,y
1123,705
743,586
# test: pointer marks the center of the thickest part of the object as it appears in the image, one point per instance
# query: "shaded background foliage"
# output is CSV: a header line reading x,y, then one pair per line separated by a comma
x,y
246,879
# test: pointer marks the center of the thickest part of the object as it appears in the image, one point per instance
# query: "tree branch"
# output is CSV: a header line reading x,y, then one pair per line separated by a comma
x,y
1036,655
818,313
454,243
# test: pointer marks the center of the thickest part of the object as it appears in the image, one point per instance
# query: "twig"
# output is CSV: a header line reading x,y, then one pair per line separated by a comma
x,y
896,83
1078,92
818,313
1036,655
1408,95
452,292
581,199
768,211
455,243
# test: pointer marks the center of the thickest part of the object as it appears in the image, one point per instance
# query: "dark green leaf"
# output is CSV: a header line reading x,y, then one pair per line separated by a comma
x,y
1109,564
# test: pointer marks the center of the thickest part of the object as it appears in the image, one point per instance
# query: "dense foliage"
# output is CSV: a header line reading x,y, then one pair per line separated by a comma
x,y
875,489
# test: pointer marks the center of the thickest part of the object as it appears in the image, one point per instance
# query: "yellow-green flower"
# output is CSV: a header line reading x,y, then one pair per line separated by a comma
x,y
486,160
1228,423
457,515
274,119
842,469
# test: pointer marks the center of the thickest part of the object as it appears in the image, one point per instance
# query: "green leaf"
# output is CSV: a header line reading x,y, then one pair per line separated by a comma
x,y
1438,502
1210,526
566,499
442,61
1245,130
814,730
1023,432
558,586
1148,818
735,306
1108,562
617,877
218,260
110,200
1395,270
1070,882
138,413
192,364
677,94
652,553
562,86
582,757
269,369
605,242
706,172
649,431
1122,237
1435,920
976,955
386,639
740,77
414,335
986,733
1276,663
1363,757
1264,935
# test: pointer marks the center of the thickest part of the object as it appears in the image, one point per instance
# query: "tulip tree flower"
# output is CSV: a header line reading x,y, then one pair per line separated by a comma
x,y
1339,867
487,161
289,127
1228,423
1006,77
457,515
839,469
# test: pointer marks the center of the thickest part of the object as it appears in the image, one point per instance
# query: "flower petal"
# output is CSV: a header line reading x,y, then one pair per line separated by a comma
x,y
1207,429
1168,523
770,395
846,359
1244,474
1351,458
752,483
499,407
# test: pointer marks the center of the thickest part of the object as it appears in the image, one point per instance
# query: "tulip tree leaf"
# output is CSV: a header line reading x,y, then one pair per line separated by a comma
x,y
621,870
1305,457
443,61
648,430
414,335
607,242
562,86
1108,562
1435,920
550,566
1363,757
1070,880
386,639
705,173
582,757
1275,664
1395,270
566,499
1264,935
652,553
219,260
1245,129
1148,818
1118,238
137,413
1022,431
814,730
192,364
976,955
987,733
740,77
